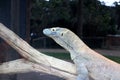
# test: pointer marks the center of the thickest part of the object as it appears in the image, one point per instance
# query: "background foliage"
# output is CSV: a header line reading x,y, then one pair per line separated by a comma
x,y
98,19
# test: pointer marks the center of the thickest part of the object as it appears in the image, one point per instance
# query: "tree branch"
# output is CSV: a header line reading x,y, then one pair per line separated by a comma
x,y
22,66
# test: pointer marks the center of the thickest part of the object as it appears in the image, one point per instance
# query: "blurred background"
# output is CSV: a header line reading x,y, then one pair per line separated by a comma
x,y
95,22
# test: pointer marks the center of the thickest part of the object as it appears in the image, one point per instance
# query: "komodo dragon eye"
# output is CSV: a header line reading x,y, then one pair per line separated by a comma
x,y
53,29
62,34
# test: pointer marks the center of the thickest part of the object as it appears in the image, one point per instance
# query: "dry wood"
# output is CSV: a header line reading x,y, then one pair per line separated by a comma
x,y
22,66
39,61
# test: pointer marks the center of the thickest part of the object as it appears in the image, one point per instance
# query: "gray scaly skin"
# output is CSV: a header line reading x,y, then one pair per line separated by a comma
x,y
88,62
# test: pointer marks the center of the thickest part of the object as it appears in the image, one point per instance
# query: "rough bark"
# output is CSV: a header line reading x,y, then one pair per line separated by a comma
x,y
35,60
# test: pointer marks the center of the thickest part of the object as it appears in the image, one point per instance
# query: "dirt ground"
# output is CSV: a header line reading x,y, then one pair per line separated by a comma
x,y
108,52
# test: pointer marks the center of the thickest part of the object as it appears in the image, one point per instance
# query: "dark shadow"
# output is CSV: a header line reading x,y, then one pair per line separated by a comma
x,y
30,76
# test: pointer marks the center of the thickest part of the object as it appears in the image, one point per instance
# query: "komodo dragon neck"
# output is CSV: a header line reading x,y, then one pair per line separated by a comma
x,y
78,48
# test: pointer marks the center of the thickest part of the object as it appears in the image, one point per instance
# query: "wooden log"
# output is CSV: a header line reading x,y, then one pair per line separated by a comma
x,y
23,66
50,64
16,66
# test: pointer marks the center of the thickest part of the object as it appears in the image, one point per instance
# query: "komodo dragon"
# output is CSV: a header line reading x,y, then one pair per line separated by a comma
x,y
88,62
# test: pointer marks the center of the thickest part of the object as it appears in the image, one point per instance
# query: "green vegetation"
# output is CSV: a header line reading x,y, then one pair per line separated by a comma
x,y
87,18
114,58
96,18
66,56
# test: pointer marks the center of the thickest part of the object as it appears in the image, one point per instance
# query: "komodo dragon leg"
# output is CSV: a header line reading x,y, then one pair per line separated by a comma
x,y
82,72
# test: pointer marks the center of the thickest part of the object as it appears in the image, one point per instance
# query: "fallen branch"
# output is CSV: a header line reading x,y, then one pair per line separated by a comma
x,y
45,63
16,66
23,66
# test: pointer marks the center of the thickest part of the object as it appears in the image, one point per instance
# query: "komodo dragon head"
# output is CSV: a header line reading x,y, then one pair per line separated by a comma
x,y
64,37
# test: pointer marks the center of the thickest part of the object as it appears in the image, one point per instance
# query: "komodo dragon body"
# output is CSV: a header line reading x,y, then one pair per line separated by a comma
x,y
88,62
